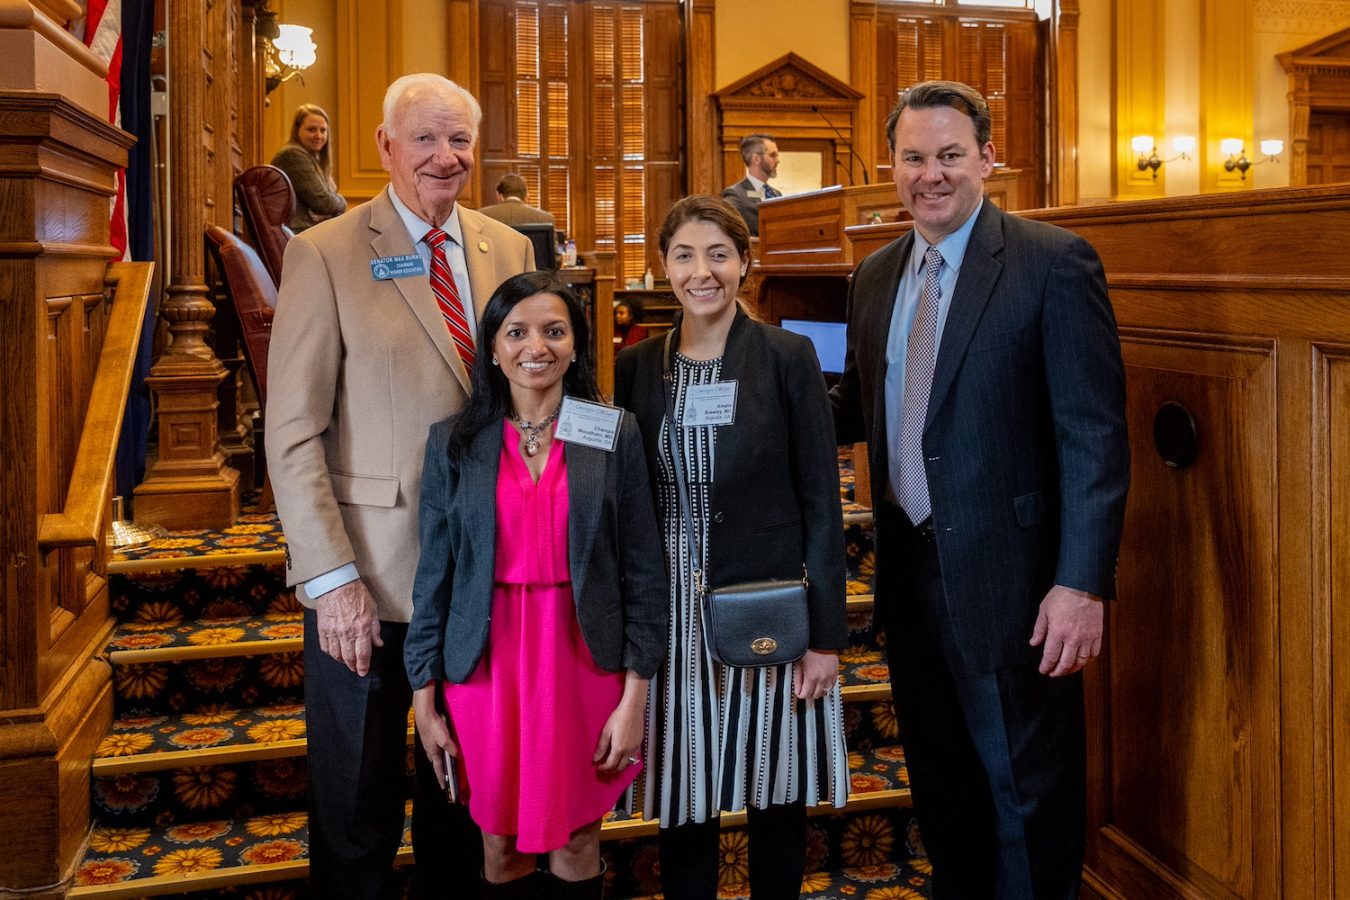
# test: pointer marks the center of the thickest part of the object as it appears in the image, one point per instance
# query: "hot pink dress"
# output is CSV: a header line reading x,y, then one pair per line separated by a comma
x,y
529,717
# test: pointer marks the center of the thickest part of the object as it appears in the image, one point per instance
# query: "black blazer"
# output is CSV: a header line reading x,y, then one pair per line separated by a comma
x,y
775,492
1025,445
620,590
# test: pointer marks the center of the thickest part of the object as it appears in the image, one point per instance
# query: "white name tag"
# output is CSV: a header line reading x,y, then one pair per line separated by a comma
x,y
589,424
710,404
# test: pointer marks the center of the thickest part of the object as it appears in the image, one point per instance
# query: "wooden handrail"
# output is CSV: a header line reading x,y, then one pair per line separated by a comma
x,y
80,523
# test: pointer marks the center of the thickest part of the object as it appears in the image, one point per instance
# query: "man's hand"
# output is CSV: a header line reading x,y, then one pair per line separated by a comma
x,y
349,625
1070,625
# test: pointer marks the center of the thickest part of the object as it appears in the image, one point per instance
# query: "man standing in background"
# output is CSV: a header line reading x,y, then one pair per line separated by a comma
x,y
511,207
760,154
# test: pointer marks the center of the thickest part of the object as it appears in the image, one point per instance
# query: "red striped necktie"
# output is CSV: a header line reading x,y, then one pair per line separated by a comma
x,y
447,297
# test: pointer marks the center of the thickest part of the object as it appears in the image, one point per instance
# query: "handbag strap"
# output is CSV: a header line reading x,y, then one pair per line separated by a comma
x,y
677,463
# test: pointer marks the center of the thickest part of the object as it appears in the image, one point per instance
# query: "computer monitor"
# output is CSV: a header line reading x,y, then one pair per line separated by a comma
x,y
541,235
827,337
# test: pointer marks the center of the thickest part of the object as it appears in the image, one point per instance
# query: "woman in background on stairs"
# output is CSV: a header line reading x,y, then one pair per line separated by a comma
x,y
765,502
307,160
534,630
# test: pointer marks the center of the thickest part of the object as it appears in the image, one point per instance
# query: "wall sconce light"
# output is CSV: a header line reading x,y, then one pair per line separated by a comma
x,y
1237,155
1148,152
289,49
292,51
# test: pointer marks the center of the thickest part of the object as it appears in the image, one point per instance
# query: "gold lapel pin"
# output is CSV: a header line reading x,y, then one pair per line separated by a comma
x,y
482,246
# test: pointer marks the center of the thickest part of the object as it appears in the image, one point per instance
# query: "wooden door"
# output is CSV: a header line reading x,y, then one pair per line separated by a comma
x,y
1328,147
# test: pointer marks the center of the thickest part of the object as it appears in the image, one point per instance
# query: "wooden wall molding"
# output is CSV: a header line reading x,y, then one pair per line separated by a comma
x,y
1227,108
1139,95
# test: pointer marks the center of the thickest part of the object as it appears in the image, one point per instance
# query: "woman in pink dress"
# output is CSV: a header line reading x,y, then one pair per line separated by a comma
x,y
534,632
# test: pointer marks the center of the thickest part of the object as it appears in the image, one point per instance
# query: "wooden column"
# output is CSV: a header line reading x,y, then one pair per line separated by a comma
x,y
189,485
872,108
1063,188
703,161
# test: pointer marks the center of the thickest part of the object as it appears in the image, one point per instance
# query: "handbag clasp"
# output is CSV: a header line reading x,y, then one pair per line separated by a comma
x,y
763,646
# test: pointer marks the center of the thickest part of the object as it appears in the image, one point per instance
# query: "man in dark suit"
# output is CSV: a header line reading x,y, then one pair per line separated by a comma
x,y
760,154
511,208
984,371
367,351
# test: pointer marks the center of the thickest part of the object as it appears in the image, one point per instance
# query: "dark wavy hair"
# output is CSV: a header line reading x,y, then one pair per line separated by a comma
x,y
490,392
931,94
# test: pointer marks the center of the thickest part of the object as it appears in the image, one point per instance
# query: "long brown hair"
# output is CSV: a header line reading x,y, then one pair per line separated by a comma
x,y
325,156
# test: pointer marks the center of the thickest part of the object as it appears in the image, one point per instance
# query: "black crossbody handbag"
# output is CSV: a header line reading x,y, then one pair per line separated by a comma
x,y
751,624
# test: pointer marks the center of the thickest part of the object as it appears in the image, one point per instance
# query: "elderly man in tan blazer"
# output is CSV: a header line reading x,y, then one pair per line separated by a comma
x,y
364,357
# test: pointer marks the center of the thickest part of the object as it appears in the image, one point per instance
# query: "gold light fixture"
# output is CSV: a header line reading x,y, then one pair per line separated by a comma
x,y
1148,152
290,49
1237,160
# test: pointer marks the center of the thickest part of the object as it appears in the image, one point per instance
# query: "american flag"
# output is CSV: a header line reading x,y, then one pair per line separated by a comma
x,y
101,31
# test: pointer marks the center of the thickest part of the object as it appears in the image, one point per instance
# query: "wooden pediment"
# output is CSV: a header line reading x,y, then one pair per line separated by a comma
x,y
1331,51
788,78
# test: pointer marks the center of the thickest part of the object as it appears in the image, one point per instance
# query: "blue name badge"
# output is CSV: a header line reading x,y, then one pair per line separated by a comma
x,y
387,267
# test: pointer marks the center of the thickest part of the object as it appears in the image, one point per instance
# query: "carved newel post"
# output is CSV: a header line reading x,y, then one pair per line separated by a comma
x,y
189,485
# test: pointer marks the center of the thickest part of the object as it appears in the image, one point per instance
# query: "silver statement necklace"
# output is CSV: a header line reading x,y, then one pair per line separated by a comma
x,y
532,431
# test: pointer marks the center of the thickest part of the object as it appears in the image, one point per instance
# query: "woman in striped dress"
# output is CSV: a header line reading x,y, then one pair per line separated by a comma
x,y
765,502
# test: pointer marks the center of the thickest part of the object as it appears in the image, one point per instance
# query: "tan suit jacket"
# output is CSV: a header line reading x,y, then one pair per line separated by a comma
x,y
513,211
359,370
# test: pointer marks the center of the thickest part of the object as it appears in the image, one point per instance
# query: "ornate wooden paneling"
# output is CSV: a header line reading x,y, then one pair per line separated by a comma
x,y
1193,636
57,162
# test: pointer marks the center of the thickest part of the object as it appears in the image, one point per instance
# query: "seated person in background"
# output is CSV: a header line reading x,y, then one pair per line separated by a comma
x,y
627,331
511,207
760,154
308,162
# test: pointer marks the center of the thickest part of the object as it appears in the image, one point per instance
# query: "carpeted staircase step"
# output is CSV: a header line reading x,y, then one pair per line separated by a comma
x,y
158,859
209,735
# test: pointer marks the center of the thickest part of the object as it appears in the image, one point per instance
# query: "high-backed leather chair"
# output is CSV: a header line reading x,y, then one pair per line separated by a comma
x,y
253,301
265,197
253,298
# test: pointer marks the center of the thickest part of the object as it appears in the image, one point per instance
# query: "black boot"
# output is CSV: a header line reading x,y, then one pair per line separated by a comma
x,y
527,888
590,889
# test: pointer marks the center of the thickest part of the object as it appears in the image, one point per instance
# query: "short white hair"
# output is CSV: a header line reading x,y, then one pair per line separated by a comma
x,y
408,84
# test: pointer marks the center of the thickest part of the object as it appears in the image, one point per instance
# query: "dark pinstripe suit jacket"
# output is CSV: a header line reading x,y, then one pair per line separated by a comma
x,y
620,590
1025,442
